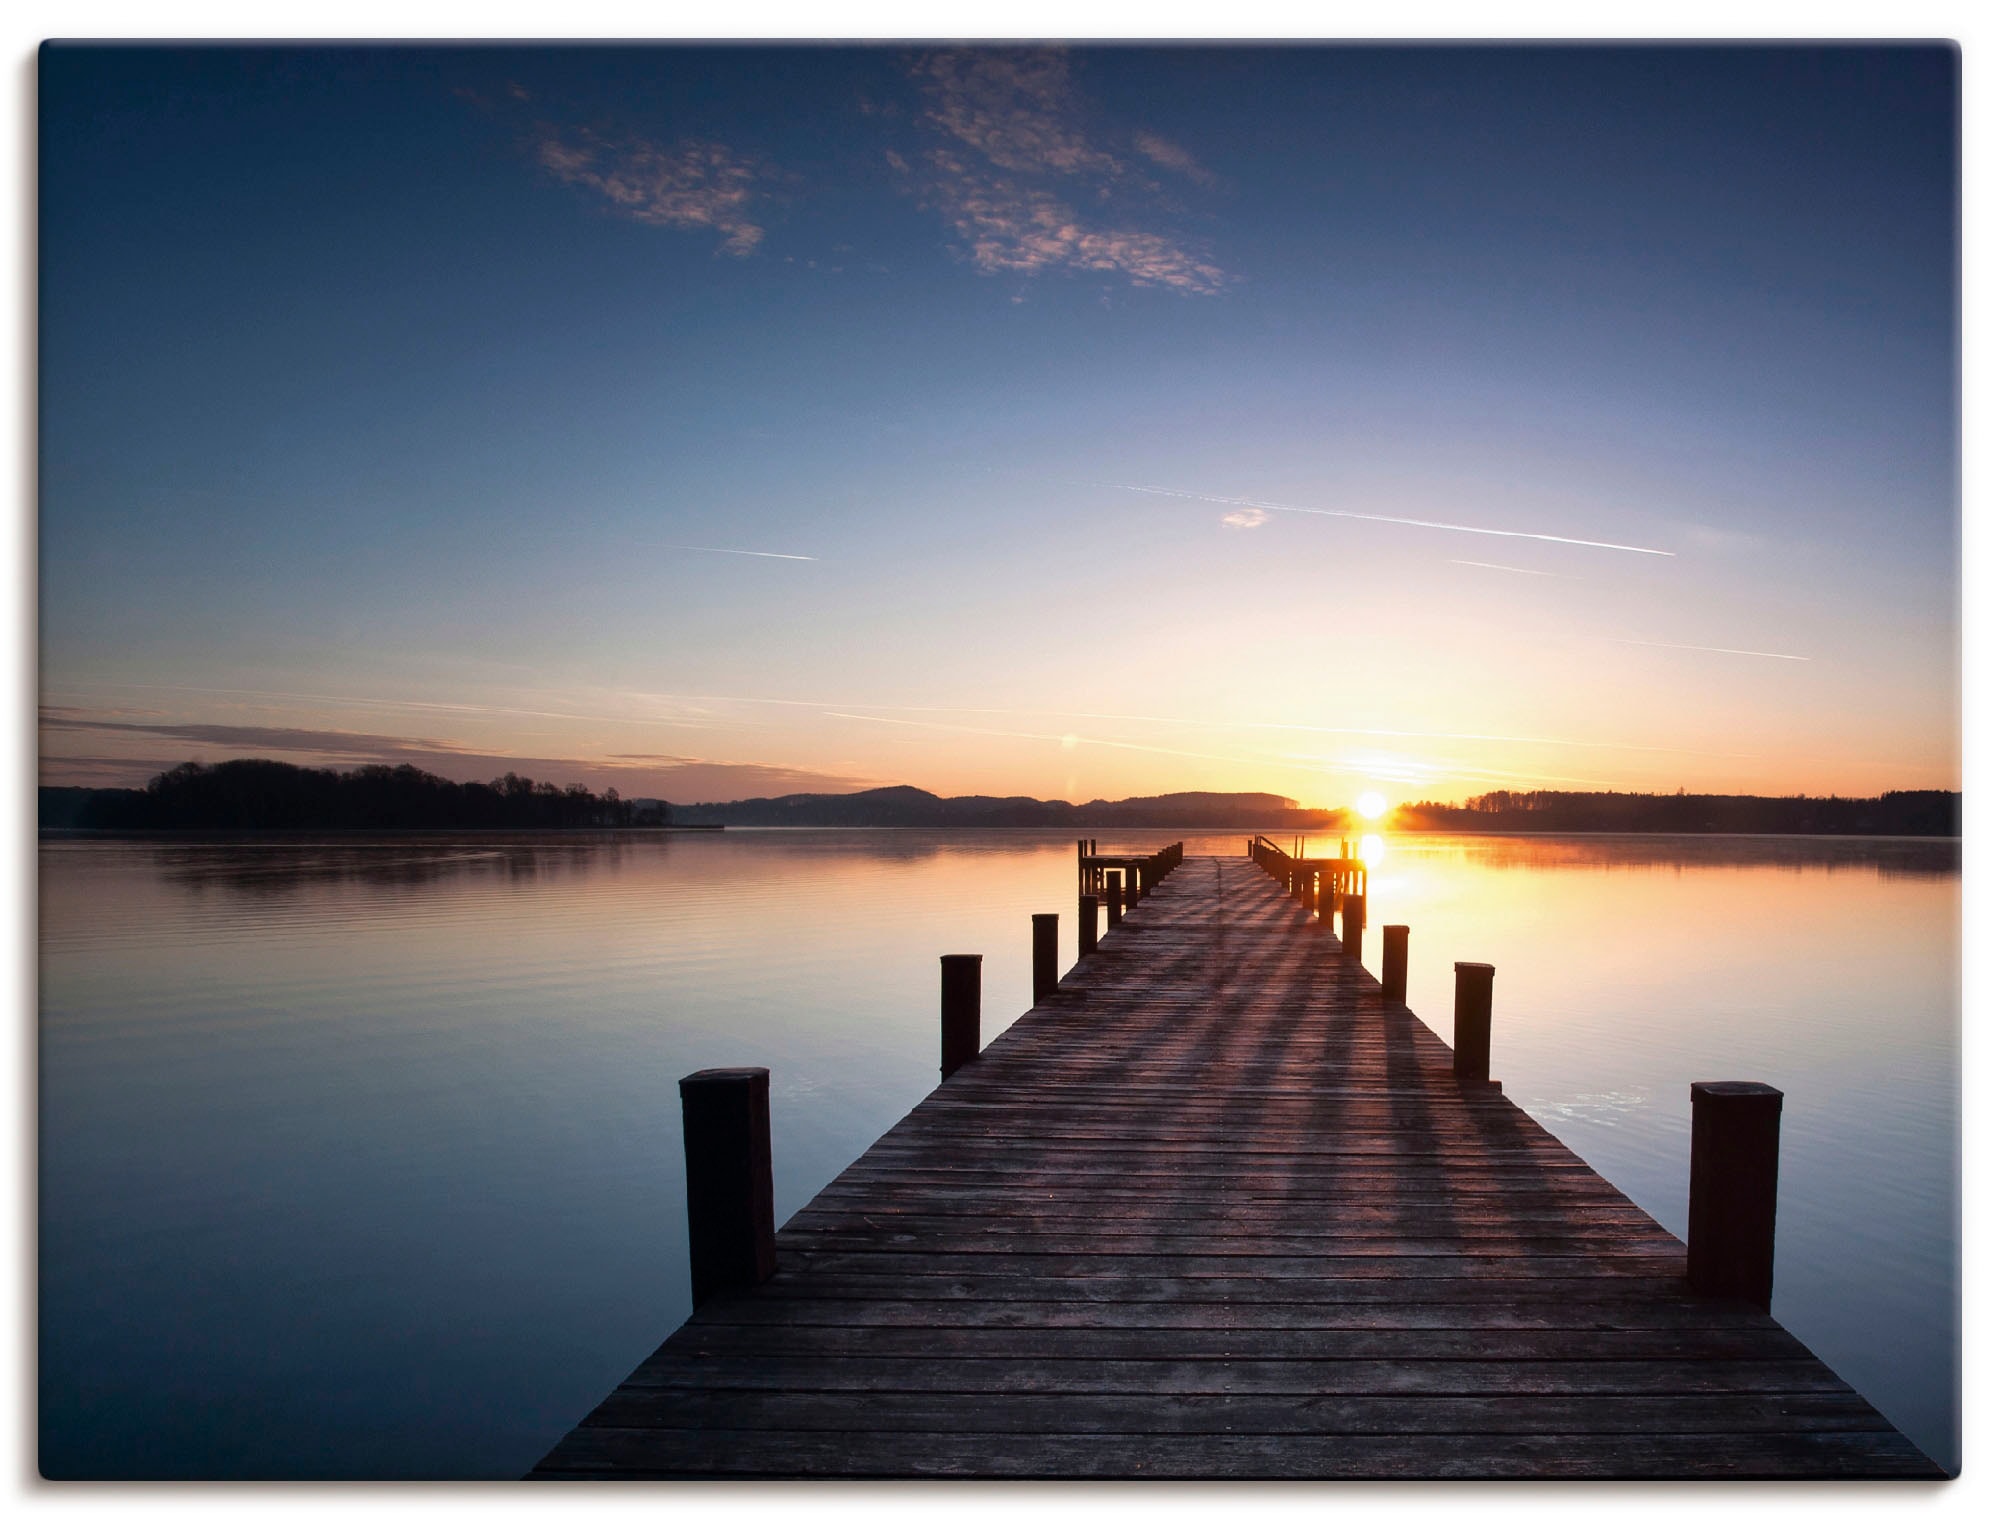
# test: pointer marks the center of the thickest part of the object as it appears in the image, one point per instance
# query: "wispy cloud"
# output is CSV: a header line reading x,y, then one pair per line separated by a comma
x,y
1249,516
1072,740
694,548
371,748
1702,648
1514,569
620,707
1169,155
1010,166
691,185
1016,107
1448,527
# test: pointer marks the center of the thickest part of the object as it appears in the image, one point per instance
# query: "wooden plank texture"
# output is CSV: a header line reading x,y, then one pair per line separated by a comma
x,y
1212,1210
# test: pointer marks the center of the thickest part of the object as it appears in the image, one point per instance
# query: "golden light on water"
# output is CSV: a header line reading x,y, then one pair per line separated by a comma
x,y
1372,849
1371,804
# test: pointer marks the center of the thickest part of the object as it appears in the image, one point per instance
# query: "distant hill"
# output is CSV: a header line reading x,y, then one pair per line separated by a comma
x,y
909,807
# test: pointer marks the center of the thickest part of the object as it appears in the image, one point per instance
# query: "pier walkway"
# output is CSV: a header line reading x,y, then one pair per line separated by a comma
x,y
1212,1209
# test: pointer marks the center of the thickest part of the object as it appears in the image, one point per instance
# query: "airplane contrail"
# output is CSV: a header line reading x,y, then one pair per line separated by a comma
x,y
1512,569
1704,648
1449,527
695,548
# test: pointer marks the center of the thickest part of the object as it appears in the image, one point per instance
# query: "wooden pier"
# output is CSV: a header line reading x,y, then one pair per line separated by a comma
x,y
1217,1207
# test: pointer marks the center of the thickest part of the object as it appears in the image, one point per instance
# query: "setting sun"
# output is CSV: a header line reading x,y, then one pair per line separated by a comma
x,y
1371,804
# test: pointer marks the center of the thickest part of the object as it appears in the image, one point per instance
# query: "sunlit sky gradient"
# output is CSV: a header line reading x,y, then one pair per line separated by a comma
x,y
719,422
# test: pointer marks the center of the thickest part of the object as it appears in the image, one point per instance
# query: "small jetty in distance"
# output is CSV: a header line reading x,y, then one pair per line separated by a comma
x,y
1219,1205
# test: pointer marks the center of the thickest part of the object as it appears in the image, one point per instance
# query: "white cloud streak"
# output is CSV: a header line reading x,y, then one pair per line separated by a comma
x,y
1448,527
1169,155
695,548
1703,648
1009,161
1513,569
690,185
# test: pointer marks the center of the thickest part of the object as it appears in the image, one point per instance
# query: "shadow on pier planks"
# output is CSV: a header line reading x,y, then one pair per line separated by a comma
x,y
1212,1210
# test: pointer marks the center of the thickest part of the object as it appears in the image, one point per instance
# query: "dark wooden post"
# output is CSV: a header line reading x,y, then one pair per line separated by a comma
x,y
1472,1021
726,1128
1114,899
958,1011
1132,887
1396,964
1350,927
1042,925
1086,925
1733,1189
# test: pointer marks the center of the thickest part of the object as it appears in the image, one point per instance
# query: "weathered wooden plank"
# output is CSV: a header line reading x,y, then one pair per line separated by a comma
x,y
1233,1312
1792,1454
1291,1316
985,1285
1243,1264
1232,1413
705,1339
1172,1246
1325,1378
1431,1224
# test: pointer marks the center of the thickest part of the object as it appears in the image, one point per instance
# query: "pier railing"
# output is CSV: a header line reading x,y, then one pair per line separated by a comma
x,y
1334,887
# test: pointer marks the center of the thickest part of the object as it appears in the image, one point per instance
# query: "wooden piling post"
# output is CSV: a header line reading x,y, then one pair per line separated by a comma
x,y
1733,1189
726,1130
1396,964
958,1011
1042,927
1114,899
1350,927
1086,924
1472,1021
1132,887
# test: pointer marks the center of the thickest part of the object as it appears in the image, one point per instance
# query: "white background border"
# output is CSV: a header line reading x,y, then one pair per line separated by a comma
x,y
33,21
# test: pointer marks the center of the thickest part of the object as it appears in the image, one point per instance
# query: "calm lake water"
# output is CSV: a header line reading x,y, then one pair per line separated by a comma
x,y
360,1157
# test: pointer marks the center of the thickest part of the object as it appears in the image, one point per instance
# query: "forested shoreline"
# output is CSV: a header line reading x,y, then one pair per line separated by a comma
x,y
1923,814
261,794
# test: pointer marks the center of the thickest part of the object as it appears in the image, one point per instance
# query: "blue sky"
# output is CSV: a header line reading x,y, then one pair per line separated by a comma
x,y
1141,419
